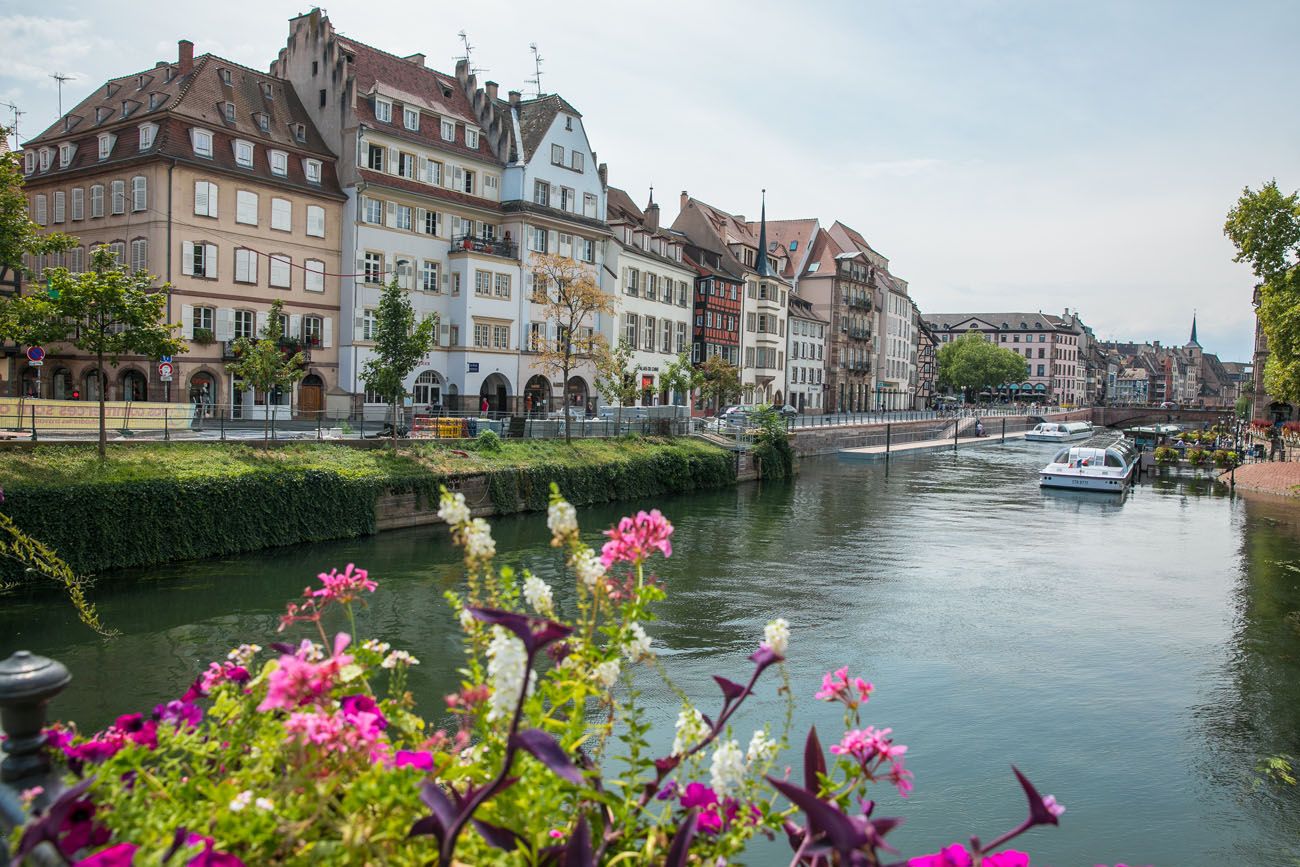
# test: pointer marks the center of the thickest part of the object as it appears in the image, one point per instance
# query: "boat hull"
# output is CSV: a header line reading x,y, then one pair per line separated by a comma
x,y
1107,483
1056,438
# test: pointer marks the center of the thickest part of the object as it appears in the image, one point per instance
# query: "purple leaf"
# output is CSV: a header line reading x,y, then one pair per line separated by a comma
x,y
548,751
665,765
681,848
178,840
578,853
442,815
283,647
48,826
814,761
844,835
534,632
1038,812
428,826
730,689
501,838
764,656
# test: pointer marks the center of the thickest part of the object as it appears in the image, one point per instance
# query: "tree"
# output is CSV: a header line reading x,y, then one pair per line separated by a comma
x,y
104,311
571,299
1265,228
19,235
616,377
973,364
400,344
1243,407
719,382
264,364
679,376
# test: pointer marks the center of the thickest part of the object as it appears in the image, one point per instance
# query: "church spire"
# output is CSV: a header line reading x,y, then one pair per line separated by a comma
x,y
762,241
1193,342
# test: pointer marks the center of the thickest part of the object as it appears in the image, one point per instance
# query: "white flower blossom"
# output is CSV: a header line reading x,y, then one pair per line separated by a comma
x,y
589,568
607,673
690,730
561,520
538,595
242,800
507,668
244,653
727,773
375,645
264,804
762,749
776,635
467,620
398,656
453,510
478,539
638,646
311,651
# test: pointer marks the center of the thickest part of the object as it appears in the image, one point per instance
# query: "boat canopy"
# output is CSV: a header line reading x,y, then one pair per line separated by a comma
x,y
1120,454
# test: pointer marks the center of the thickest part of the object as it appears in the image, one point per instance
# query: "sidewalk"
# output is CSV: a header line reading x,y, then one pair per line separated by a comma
x,y
1277,477
877,453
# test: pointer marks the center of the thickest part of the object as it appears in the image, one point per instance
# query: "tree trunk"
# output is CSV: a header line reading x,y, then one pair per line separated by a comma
x,y
394,443
103,391
564,404
266,419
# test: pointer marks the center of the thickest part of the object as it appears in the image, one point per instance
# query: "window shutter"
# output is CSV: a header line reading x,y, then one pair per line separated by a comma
x,y
212,200
187,320
392,215
424,168
295,325
225,323
187,257
419,220
444,334
201,197
443,277
553,241
393,168
261,323
327,332
210,260
458,180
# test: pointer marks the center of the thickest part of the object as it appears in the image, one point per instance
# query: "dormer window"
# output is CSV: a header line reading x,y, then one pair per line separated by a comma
x,y
106,142
244,153
45,162
169,73
410,117
225,76
102,114
383,111
29,162
202,141
126,108
311,168
66,152
279,163
471,138
267,91
155,100
263,121
448,130
300,131
229,110
148,131
109,90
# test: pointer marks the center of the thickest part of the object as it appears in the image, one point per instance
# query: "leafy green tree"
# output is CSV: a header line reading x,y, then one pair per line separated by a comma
x,y
679,376
19,235
104,311
616,377
264,364
400,343
973,364
1243,407
719,382
1264,226
572,299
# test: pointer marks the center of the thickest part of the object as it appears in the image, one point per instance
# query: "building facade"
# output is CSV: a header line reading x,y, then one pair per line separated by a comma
x,y
1049,344
212,177
806,358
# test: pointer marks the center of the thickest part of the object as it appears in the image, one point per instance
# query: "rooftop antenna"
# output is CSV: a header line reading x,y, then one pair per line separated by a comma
x,y
60,78
536,81
467,57
17,114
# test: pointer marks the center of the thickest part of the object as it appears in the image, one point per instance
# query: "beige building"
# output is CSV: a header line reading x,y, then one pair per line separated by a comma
x,y
211,176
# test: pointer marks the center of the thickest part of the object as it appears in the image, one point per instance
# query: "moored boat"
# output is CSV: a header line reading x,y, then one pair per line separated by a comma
x,y
1088,468
1059,431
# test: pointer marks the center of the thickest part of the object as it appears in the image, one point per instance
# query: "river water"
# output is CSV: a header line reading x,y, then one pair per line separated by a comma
x,y
1135,657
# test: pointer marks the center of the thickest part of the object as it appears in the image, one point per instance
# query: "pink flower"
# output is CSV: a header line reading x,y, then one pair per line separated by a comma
x,y
698,795
138,730
1049,801
208,856
836,687
421,760
636,538
121,855
357,707
555,834
1007,858
182,713
345,587
952,856
297,681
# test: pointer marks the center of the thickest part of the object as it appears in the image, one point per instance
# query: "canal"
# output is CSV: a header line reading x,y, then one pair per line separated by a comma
x,y
1134,657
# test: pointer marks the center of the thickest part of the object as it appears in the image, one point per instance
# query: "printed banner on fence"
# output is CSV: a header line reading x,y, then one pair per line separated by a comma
x,y
84,415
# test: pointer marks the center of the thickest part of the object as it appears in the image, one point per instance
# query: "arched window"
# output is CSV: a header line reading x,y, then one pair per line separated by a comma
x,y
428,389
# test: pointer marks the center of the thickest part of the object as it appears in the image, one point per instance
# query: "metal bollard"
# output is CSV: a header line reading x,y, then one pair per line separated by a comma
x,y
34,437
27,684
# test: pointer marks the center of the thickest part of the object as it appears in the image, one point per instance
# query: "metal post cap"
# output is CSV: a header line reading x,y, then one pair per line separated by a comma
x,y
26,676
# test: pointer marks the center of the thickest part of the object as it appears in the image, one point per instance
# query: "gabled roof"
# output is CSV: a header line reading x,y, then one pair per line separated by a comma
x,y
783,233
1032,321
621,207
536,117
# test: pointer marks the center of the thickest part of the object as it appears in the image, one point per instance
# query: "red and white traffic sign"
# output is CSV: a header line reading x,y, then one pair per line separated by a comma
x,y
165,370
35,356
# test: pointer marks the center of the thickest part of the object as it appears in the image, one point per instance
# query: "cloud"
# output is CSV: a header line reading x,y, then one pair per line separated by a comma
x,y
894,168
38,46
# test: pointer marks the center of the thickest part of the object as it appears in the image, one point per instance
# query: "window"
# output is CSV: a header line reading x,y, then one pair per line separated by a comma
x,y
281,215
448,130
433,172
316,221
541,193
375,157
649,334
147,133
313,330
469,181
198,259
630,328
383,111
118,197
245,265
281,271
140,255
632,281
566,244
373,268
429,223
557,155
97,200
401,216
311,170
576,161
246,207
372,211
29,162
588,205
1041,370
263,121
537,239
501,285
78,203
567,199
202,141
681,337
203,319
586,250
482,335
406,165
429,277
65,154
483,283
106,141
500,336
244,153
471,138
369,324
410,117
60,206
205,198
666,341
139,193
118,249
651,286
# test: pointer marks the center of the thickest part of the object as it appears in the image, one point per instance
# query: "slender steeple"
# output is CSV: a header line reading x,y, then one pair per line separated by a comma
x,y
761,266
1193,342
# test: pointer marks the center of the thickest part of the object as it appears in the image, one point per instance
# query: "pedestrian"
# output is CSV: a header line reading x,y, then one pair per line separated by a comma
x,y
483,405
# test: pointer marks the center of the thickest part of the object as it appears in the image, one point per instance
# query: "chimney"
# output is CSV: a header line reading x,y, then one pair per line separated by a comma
x,y
491,88
186,56
740,218
515,96
160,64
685,198
417,59
652,216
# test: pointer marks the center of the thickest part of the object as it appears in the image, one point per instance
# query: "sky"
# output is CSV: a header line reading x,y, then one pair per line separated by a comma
x,y
1005,155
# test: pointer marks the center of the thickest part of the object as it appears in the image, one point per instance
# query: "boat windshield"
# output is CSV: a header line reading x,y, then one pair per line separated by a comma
x,y
1062,457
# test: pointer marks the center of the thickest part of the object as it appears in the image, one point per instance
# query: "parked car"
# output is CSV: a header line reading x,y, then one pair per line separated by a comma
x,y
1169,404
788,412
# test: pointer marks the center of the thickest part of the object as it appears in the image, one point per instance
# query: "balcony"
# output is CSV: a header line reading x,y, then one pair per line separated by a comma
x,y
491,246
859,333
860,302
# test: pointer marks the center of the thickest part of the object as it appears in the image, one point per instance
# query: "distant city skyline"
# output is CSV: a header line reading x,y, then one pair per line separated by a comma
x,y
1014,155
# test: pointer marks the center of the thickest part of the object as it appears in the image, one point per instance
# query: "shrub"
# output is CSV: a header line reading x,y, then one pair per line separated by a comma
x,y
772,444
1225,459
487,441
1166,455
1197,456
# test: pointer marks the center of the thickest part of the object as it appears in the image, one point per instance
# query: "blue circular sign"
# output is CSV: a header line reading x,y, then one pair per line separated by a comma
x,y
35,353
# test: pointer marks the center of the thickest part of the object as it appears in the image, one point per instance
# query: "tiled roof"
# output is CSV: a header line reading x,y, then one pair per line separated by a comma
x,y
783,232
536,117
381,179
1033,321
621,207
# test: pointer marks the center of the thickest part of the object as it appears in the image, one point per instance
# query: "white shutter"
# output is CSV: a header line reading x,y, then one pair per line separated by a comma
x,y
553,242
201,197
458,180
187,320
392,215
210,260
392,161
212,200
187,257
444,334
295,325
449,175
418,225
225,323
261,323
424,168
444,276
327,332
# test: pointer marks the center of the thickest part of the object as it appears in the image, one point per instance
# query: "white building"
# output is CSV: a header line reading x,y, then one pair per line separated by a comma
x,y
806,357
654,292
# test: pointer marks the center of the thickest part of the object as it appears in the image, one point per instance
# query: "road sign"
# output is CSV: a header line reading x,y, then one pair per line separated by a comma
x,y
35,354
165,370
166,359
473,366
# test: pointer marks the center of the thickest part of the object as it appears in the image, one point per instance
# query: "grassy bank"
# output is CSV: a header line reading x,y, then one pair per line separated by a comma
x,y
158,503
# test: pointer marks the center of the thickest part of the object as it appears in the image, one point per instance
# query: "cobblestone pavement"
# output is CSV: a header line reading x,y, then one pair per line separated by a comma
x,y
1279,477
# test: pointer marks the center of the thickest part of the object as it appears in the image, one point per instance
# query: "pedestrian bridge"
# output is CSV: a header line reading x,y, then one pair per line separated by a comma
x,y
1134,416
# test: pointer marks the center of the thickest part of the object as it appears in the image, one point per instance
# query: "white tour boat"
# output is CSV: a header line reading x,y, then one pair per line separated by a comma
x,y
1059,431
1087,468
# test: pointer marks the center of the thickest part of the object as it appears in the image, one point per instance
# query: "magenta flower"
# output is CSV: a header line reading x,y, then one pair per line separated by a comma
x,y
297,681
357,707
220,672
344,587
180,713
636,538
1006,858
421,760
698,795
951,856
836,686
80,829
138,730
120,855
208,856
